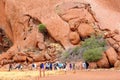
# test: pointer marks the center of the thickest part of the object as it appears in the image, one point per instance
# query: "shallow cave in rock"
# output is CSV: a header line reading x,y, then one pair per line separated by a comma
x,y
5,42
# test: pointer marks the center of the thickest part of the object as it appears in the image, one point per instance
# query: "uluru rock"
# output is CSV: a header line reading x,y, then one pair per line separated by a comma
x,y
20,19
112,55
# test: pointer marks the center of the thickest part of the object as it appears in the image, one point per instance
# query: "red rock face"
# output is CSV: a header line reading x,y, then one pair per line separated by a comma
x,y
18,16
20,19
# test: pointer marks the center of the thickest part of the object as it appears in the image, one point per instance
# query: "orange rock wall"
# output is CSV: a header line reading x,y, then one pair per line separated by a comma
x,y
20,19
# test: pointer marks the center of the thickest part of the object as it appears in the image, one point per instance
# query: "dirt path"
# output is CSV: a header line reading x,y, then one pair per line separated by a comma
x,y
87,75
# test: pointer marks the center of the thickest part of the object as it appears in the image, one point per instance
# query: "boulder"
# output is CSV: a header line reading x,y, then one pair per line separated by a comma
x,y
118,50
118,56
80,13
30,54
72,14
5,61
103,63
38,58
119,43
92,65
117,64
111,55
74,24
111,41
116,46
117,38
47,56
19,58
6,56
29,59
85,30
74,38
21,54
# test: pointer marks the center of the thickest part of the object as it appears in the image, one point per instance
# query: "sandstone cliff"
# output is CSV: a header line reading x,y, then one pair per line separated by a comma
x,y
67,22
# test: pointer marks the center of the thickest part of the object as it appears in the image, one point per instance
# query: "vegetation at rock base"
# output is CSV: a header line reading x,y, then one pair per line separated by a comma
x,y
93,55
95,46
73,54
91,50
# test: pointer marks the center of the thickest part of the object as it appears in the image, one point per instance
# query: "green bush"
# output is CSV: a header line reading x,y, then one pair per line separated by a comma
x,y
42,28
94,42
91,50
95,45
93,55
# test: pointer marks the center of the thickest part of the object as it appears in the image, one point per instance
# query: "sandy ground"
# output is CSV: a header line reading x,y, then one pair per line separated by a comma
x,y
61,75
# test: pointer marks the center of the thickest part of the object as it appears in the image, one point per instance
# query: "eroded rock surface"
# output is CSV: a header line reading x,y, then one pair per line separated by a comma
x,y
67,22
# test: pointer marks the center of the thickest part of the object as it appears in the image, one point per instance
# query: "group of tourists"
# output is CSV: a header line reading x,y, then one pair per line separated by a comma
x,y
45,66
18,66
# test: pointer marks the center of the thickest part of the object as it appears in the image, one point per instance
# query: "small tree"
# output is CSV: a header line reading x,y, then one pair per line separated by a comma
x,y
93,55
95,46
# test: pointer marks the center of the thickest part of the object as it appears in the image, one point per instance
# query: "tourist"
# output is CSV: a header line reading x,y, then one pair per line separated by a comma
x,y
70,66
50,65
42,70
55,65
87,64
84,65
34,66
10,67
74,68
47,66
19,67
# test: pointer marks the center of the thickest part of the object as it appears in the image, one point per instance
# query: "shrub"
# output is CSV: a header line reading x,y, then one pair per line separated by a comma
x,y
94,42
93,55
42,28
95,45
91,50
73,54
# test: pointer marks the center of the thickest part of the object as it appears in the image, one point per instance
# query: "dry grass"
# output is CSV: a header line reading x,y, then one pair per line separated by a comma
x,y
18,75
25,75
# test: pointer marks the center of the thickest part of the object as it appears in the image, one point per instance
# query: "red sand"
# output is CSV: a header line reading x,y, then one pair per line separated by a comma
x,y
86,75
